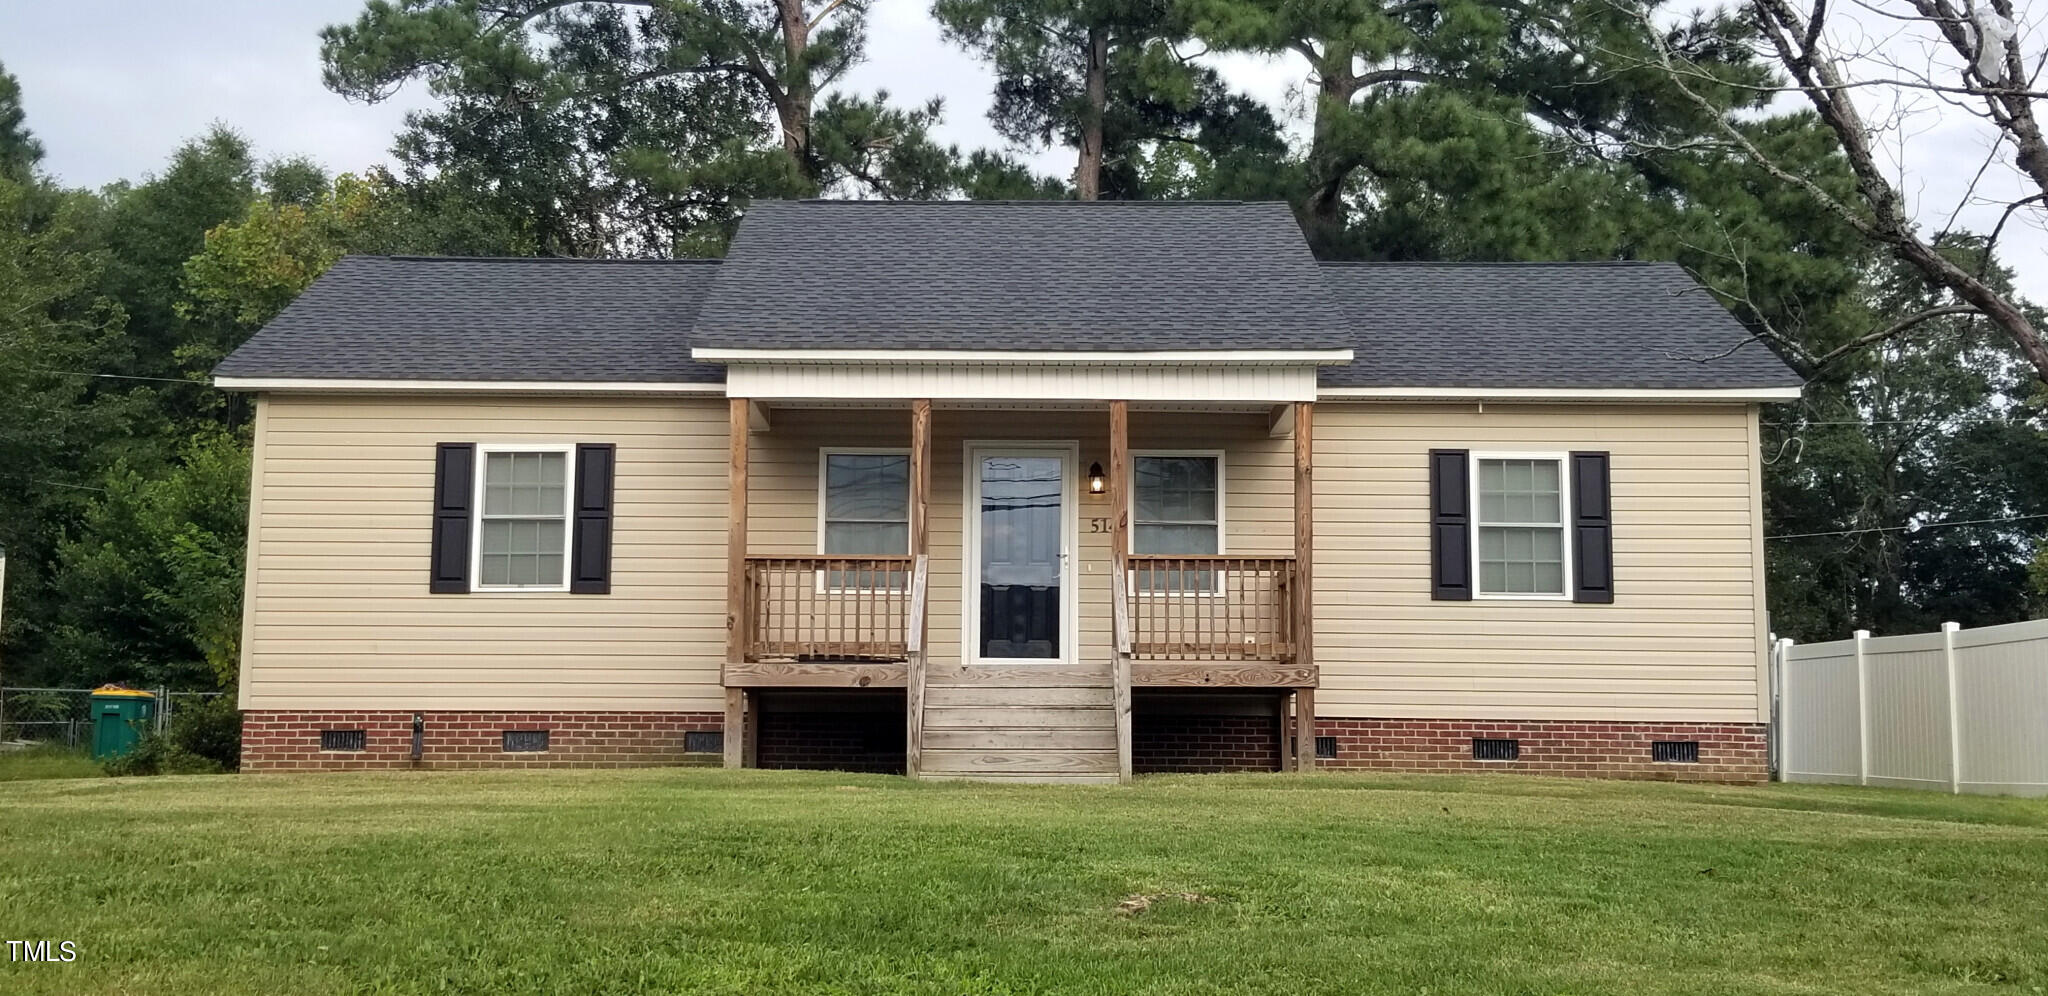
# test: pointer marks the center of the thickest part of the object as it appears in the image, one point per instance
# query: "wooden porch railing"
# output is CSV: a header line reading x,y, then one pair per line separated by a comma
x,y
1214,607
836,608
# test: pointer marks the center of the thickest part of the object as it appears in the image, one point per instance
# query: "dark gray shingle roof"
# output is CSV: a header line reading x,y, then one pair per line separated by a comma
x,y
1010,276
1019,275
420,318
1564,325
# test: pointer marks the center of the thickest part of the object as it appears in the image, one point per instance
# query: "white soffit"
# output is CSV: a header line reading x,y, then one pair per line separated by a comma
x,y
1038,382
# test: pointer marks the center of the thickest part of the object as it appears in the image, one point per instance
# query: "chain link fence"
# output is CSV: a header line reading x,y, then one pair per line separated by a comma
x,y
64,715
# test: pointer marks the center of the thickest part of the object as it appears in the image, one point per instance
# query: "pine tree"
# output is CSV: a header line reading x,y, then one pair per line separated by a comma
x,y
637,127
1105,77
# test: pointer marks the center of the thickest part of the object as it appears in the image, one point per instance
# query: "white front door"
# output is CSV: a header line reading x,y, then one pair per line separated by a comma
x,y
1019,603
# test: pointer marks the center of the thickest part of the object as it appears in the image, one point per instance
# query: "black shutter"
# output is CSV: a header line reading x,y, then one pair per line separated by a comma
x,y
1450,526
590,551
454,480
1592,529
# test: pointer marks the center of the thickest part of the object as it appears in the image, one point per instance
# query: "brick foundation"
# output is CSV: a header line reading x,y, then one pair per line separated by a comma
x,y
288,741
1203,743
1733,752
1189,736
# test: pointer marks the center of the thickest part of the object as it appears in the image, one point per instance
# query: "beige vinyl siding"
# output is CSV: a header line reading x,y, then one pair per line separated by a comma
x,y
339,615
1682,640
782,511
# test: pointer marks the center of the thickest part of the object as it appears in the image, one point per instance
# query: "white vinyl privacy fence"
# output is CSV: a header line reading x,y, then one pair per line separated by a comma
x,y
1957,711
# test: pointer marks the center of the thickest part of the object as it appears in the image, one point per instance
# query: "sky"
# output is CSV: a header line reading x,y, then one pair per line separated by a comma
x,y
111,88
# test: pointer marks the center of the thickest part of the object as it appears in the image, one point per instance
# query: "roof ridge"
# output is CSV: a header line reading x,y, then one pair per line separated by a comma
x,y
1025,202
531,259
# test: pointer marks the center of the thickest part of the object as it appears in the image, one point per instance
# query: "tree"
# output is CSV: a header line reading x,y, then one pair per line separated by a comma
x,y
637,125
1501,110
253,266
1904,490
153,227
19,150
54,324
152,586
1105,77
1974,62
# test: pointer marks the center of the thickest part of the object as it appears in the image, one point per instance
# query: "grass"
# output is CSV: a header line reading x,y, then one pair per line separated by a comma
x,y
765,882
46,761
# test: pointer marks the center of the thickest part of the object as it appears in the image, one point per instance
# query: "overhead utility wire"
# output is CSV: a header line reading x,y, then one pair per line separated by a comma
x,y
1908,528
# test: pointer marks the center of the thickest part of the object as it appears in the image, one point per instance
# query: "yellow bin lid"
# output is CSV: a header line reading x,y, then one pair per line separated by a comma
x,y
118,690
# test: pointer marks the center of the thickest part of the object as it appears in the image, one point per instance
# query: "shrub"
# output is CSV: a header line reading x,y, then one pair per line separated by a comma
x,y
211,729
205,739
158,755
145,758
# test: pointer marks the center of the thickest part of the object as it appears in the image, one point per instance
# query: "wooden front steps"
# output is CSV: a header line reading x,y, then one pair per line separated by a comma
x,y
1017,724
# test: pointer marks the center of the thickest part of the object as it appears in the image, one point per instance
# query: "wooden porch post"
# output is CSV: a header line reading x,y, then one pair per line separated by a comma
x,y
920,614
1304,580
736,733
1120,545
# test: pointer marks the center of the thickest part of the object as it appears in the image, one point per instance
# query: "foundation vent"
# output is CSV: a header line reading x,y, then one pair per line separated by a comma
x,y
1495,750
703,742
525,741
343,740
1675,751
1326,747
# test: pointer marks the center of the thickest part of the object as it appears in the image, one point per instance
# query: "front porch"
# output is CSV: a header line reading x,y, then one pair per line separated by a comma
x,y
1019,662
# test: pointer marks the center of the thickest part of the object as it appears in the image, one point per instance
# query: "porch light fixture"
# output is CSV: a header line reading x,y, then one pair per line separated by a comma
x,y
1096,484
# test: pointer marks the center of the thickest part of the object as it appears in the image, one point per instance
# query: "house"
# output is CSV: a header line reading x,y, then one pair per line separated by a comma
x,y
1045,491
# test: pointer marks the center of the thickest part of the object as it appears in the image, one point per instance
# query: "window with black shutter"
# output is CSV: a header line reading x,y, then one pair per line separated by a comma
x,y
591,555
1521,525
1450,530
454,495
522,518
1592,529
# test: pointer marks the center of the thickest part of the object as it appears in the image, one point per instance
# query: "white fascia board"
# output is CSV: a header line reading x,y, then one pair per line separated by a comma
x,y
315,384
1027,357
1730,394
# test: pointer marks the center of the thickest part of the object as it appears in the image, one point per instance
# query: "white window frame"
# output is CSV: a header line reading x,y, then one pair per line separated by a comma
x,y
476,520
825,453
1131,515
1564,504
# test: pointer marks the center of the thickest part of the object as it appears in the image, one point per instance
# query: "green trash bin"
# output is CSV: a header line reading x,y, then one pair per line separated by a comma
x,y
119,717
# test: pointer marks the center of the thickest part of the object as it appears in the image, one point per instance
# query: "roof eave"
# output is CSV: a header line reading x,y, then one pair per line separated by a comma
x,y
1644,394
397,385
1027,357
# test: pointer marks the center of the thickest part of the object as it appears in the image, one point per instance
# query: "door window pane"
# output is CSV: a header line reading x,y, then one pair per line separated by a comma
x,y
1021,521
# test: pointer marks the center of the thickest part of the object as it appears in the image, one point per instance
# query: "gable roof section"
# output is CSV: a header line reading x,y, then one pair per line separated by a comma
x,y
1019,276
514,320
1646,326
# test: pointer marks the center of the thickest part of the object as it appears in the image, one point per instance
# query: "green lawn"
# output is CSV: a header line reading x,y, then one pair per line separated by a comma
x,y
33,763
765,882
